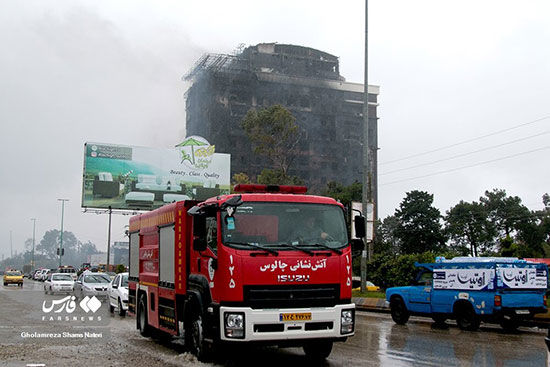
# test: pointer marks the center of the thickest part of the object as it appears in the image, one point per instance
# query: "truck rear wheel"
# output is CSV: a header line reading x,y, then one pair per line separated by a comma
x,y
510,324
466,318
399,312
318,351
144,329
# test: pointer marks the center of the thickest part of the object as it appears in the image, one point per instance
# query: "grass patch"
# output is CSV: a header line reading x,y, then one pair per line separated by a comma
x,y
367,294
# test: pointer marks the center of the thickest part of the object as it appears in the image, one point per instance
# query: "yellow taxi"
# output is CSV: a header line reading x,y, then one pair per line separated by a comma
x,y
370,287
13,277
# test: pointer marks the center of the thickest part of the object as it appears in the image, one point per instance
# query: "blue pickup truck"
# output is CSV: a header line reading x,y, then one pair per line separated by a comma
x,y
507,291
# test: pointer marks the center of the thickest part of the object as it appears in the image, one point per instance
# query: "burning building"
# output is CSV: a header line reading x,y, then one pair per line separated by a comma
x,y
328,110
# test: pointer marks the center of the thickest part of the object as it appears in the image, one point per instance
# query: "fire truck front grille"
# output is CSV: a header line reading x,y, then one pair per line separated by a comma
x,y
286,296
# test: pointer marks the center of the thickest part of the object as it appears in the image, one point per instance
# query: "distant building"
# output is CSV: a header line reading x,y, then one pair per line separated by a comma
x,y
307,82
120,253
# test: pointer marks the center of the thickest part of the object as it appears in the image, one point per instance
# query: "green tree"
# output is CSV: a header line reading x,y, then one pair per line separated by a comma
x,y
520,232
386,240
277,177
396,270
240,178
344,194
546,202
419,228
75,252
469,229
505,212
50,243
274,134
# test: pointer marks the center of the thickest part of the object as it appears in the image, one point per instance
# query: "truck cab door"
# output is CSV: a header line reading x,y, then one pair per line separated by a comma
x,y
206,260
421,294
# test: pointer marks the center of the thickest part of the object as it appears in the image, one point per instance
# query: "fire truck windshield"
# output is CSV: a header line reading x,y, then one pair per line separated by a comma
x,y
285,226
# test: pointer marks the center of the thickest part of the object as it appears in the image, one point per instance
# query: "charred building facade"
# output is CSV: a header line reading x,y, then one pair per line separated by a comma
x,y
328,110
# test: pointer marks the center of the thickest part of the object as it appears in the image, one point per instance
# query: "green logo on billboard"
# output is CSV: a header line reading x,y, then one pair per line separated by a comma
x,y
196,152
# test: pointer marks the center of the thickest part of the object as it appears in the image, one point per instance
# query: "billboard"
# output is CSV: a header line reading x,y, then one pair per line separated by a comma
x,y
140,178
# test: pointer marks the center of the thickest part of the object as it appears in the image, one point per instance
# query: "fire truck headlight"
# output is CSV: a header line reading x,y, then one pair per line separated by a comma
x,y
234,325
347,321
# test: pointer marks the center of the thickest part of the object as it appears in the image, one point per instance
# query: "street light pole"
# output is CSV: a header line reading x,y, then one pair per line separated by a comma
x,y
61,236
367,166
33,231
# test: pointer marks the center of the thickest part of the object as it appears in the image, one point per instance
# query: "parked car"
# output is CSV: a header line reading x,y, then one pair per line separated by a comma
x,y
91,284
59,282
45,274
36,274
356,285
13,277
111,274
508,291
118,294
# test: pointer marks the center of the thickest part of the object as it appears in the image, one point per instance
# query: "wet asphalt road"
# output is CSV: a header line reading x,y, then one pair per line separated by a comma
x,y
114,341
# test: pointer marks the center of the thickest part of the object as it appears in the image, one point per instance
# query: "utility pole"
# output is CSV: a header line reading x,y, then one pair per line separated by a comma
x,y
61,236
32,254
109,240
367,167
11,248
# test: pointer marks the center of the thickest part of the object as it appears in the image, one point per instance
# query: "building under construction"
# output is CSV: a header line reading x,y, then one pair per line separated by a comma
x,y
328,110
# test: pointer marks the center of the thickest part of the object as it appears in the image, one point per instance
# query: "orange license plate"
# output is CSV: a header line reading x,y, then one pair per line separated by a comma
x,y
306,316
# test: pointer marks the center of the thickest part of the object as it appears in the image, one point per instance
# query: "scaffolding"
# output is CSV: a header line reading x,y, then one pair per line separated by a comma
x,y
214,63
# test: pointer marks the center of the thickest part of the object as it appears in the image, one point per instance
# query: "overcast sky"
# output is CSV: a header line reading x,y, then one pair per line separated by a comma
x,y
110,71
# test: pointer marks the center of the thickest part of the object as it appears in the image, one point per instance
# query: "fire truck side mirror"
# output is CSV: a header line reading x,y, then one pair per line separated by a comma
x,y
360,226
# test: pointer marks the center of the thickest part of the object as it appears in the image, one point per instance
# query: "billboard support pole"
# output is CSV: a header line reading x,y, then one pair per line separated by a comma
x,y
109,240
61,233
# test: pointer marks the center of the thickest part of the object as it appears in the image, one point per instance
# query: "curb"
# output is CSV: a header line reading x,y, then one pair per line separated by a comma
x,y
371,304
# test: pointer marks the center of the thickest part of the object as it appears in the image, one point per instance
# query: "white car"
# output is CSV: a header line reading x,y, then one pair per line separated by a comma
x,y
58,282
44,275
37,274
118,294
91,284
68,270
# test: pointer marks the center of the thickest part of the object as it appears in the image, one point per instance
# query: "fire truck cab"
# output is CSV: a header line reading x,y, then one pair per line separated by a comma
x,y
268,265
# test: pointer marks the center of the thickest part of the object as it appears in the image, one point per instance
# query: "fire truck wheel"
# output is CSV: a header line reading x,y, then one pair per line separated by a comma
x,y
142,318
318,350
121,311
195,341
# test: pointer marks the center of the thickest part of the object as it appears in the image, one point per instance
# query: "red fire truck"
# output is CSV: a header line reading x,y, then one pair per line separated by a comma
x,y
269,265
